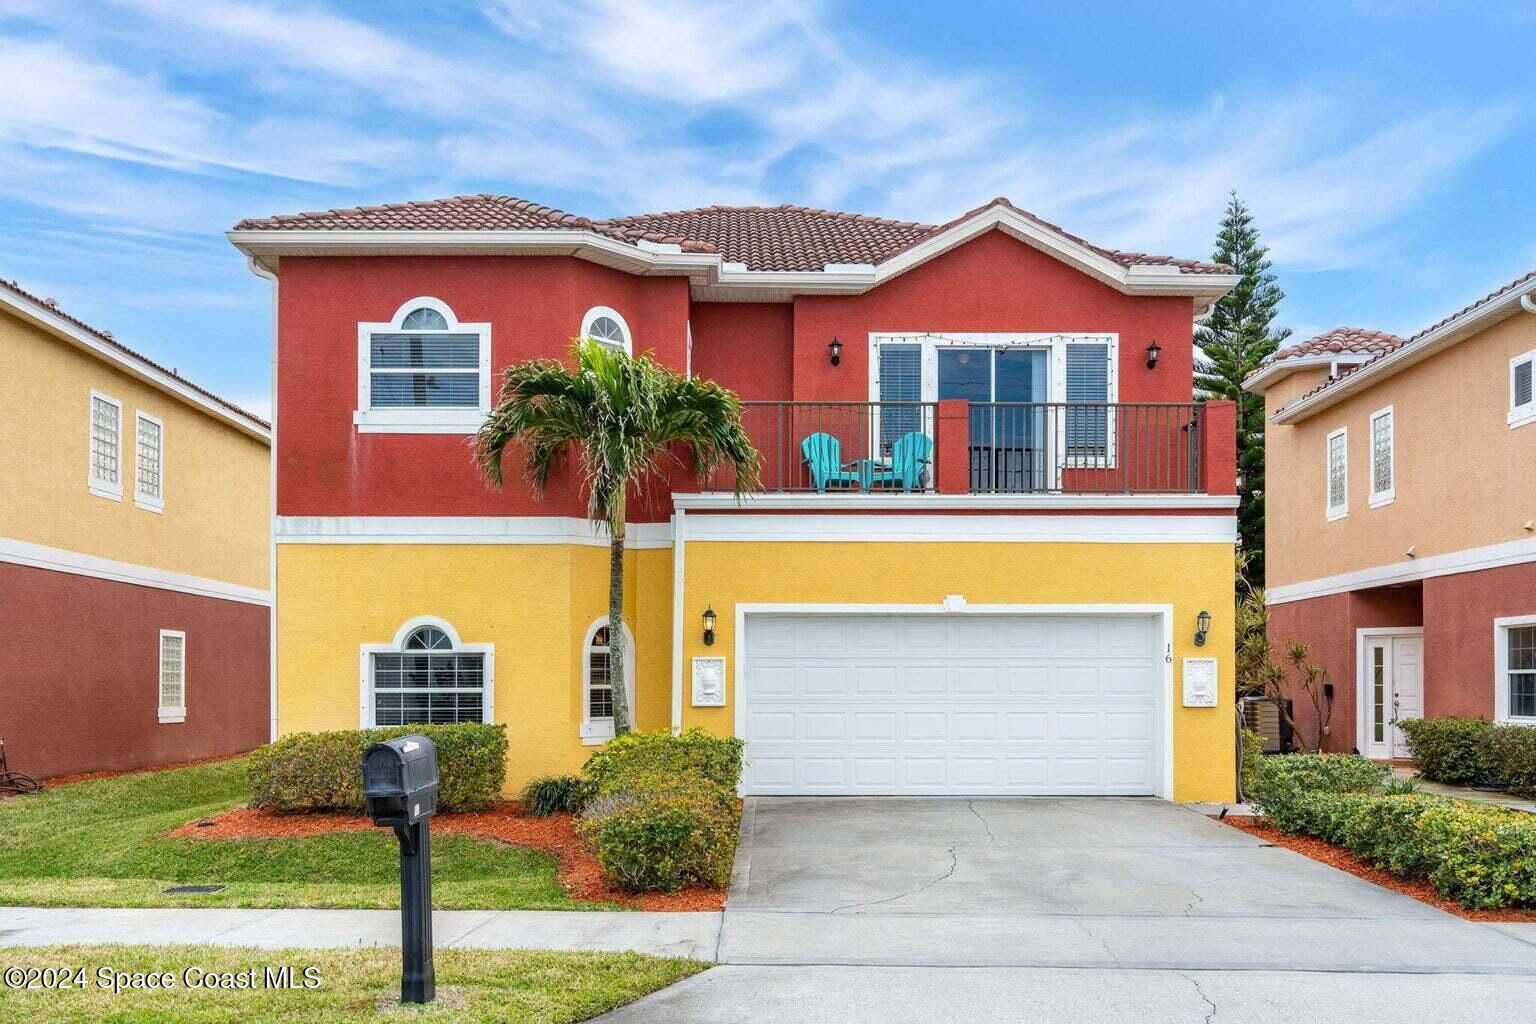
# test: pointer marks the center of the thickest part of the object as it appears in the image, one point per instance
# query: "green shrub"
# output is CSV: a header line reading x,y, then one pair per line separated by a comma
x,y
558,794
716,758
1452,750
1512,754
322,771
660,840
1253,753
1480,855
1384,831
1280,781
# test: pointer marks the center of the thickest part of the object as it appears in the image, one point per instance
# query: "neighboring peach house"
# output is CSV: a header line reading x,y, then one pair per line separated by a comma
x,y
989,520
134,555
1401,517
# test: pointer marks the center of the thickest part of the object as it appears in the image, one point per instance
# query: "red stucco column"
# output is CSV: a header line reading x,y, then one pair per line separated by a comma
x,y
951,446
1218,469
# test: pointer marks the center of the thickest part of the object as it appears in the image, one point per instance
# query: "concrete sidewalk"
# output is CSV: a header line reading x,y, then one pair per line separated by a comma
x,y
693,935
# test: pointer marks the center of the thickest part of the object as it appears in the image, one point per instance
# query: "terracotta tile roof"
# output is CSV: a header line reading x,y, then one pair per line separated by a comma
x,y
1497,293
1343,339
791,238
106,337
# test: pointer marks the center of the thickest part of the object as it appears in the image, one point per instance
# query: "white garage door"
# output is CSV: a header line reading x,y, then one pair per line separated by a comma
x,y
960,704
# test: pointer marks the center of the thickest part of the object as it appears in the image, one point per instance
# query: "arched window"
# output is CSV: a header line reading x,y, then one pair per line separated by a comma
x,y
597,683
607,327
426,676
423,370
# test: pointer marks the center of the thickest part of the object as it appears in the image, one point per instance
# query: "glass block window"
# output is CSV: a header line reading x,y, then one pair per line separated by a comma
x,y
1521,662
106,443
428,682
1381,454
149,463
1338,472
424,364
173,676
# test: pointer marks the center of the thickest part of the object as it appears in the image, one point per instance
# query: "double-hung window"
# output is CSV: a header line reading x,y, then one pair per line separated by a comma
x,y
1514,643
105,476
429,678
1338,473
173,676
1522,397
423,372
1383,469
149,463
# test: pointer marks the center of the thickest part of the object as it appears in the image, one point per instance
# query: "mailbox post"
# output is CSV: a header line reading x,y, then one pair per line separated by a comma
x,y
400,786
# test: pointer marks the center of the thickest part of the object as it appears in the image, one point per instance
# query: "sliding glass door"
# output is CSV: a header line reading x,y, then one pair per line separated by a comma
x,y
1006,441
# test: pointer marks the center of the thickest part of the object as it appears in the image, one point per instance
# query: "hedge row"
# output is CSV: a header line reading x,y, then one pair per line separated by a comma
x,y
1480,855
322,771
1464,751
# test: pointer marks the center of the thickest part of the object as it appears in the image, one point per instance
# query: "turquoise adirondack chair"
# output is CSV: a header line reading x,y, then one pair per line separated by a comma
x,y
910,456
822,454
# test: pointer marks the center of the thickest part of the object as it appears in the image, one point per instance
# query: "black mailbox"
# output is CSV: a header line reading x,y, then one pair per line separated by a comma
x,y
400,780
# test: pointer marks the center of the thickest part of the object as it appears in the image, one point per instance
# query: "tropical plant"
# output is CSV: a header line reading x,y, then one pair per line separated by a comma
x,y
1252,620
1311,683
625,419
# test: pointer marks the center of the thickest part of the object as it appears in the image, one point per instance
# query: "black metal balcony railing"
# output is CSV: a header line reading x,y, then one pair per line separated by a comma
x,y
1012,447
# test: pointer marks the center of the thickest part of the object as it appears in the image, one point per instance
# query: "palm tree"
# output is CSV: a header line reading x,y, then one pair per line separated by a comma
x,y
624,417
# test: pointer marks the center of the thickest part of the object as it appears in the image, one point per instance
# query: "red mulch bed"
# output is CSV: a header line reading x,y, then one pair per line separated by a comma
x,y
579,874
1338,857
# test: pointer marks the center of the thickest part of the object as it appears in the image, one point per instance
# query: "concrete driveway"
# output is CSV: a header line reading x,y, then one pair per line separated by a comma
x,y
929,909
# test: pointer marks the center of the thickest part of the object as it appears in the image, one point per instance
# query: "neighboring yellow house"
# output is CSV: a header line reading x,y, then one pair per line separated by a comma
x,y
1016,580
134,554
1401,517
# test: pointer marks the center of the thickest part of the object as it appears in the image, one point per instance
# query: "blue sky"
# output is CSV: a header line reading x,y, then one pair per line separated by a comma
x,y
1387,149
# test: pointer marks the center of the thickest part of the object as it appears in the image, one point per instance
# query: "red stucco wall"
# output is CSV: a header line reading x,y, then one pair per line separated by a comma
x,y
1328,624
746,346
82,692
1458,635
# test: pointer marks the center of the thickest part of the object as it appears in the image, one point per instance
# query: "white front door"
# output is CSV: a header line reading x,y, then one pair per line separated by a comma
x,y
952,704
1394,691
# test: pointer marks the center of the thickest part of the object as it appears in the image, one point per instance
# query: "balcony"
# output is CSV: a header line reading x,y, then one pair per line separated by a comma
x,y
958,447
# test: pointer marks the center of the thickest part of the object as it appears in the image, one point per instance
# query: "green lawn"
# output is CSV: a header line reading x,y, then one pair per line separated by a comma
x,y
103,844
353,985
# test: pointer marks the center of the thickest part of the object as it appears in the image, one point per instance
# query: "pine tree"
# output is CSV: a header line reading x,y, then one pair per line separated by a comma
x,y
1233,341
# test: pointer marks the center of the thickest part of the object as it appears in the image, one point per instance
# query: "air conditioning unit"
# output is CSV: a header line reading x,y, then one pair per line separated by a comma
x,y
1261,716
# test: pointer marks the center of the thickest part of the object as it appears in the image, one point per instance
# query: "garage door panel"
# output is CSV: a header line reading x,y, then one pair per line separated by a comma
x,y
952,704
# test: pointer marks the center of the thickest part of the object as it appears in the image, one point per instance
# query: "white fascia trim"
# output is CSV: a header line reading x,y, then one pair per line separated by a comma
x,y
462,530
1417,350
37,556
50,321
944,502
1074,529
1270,374
1493,556
713,271
957,605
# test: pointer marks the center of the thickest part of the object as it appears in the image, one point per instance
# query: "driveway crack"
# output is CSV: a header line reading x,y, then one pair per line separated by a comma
x,y
953,863
1083,927
972,805
1204,998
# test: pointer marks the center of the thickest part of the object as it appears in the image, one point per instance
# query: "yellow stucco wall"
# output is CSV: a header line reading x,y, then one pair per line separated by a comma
x,y
1191,577
217,480
534,602
1463,478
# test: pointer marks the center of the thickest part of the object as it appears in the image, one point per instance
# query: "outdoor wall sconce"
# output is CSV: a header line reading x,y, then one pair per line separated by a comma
x,y
836,348
1202,627
1153,351
709,627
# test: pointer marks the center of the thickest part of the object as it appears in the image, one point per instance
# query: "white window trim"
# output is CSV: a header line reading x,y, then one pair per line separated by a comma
x,y
365,653
629,336
148,502
103,488
396,420
1386,497
171,715
1521,415
1501,626
597,731
1054,343
1342,509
